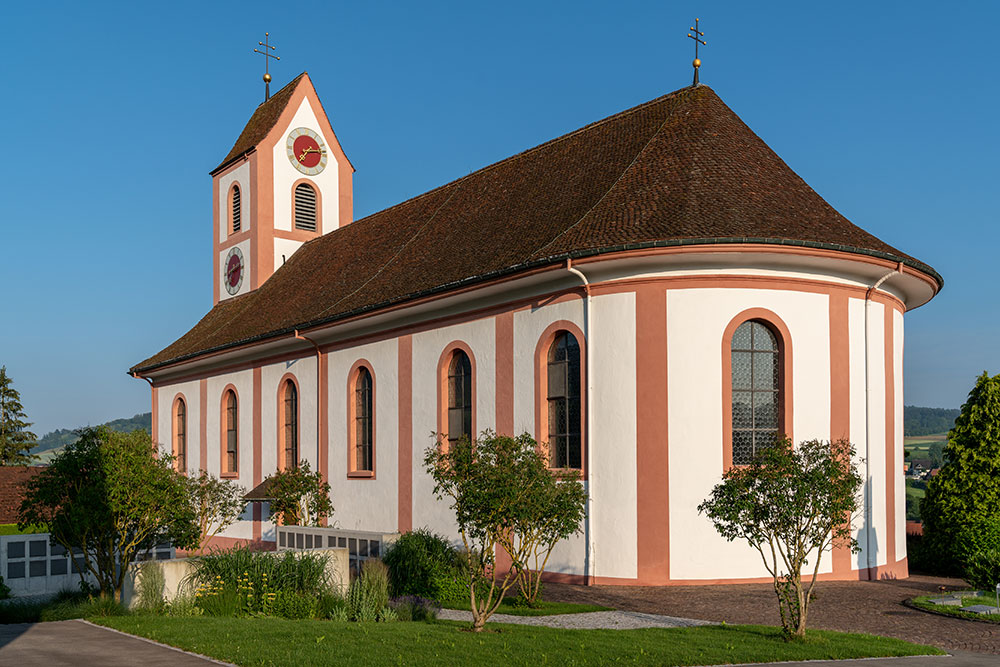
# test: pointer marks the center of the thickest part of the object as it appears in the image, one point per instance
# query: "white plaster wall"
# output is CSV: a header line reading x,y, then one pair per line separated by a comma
x,y
612,473
696,322
480,336
240,175
285,175
900,482
165,419
569,555
304,370
365,504
244,247
243,382
874,489
283,250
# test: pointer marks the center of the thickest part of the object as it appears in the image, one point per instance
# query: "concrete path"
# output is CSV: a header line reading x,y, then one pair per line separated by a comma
x,y
81,643
956,659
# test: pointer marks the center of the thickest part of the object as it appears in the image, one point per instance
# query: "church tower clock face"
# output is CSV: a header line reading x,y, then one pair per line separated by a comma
x,y
233,277
306,151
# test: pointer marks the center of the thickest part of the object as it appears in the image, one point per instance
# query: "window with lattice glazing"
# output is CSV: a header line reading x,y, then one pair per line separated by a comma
x,y
305,207
563,375
459,397
180,436
363,441
756,395
291,426
232,440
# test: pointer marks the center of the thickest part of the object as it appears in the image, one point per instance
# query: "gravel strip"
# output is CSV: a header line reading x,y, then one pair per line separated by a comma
x,y
592,620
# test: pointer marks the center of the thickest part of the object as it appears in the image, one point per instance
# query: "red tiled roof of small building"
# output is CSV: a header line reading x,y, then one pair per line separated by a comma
x,y
12,481
682,169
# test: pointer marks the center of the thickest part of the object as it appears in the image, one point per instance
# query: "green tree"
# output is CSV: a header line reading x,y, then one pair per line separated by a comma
x,y
966,493
15,438
299,496
217,504
791,504
109,496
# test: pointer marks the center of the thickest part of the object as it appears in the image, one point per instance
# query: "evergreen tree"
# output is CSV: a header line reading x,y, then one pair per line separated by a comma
x,y
964,498
15,438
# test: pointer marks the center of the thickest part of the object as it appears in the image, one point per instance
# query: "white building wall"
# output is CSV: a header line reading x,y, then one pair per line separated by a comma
x,y
900,482
365,504
612,473
241,176
243,382
480,336
696,322
568,557
272,390
165,396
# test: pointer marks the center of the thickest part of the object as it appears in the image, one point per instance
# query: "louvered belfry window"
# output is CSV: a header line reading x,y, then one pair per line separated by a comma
x,y
305,207
757,399
237,209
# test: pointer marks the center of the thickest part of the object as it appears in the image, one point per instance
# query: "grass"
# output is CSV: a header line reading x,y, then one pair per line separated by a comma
x,y
64,606
923,602
542,609
11,529
270,641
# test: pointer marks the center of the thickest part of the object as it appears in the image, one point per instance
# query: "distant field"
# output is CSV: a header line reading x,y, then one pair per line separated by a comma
x,y
917,440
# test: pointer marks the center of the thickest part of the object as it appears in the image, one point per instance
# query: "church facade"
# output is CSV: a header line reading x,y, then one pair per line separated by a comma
x,y
654,296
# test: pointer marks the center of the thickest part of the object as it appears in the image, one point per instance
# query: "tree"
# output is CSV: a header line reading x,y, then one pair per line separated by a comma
x,y
299,496
791,504
500,488
15,439
965,494
217,504
110,497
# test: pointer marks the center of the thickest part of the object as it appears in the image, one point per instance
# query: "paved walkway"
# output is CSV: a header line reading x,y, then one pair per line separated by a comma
x,y
848,606
81,643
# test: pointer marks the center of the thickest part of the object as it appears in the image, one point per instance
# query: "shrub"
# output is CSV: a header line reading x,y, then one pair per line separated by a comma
x,y
299,496
4,590
977,548
183,606
330,605
369,593
415,608
294,606
149,587
70,609
424,564
303,572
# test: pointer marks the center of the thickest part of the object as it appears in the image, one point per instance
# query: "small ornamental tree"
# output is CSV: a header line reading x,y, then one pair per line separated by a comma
x,y
299,496
217,504
15,438
109,496
791,504
964,497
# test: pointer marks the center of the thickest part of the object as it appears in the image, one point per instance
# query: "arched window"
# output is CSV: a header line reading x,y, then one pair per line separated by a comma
x,y
363,432
232,433
235,210
305,207
290,433
564,418
180,435
757,395
459,397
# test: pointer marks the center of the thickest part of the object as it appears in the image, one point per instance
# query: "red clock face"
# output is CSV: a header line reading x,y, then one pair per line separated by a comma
x,y
234,270
307,151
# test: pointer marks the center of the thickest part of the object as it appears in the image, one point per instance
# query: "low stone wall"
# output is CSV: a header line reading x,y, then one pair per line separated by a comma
x,y
177,575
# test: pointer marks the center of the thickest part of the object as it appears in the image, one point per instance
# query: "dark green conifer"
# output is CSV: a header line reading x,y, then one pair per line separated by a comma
x,y
15,439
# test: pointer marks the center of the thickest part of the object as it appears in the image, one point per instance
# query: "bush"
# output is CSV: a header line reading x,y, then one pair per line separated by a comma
x,y
294,606
426,565
303,572
4,590
977,548
149,587
368,595
70,609
330,605
414,608
183,606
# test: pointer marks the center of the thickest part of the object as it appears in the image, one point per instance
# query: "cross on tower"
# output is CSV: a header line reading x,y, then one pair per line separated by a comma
x,y
267,55
697,40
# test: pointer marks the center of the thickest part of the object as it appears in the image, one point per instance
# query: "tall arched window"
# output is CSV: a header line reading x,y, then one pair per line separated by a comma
x,y
180,435
232,433
459,397
564,418
757,395
305,207
363,432
235,209
290,433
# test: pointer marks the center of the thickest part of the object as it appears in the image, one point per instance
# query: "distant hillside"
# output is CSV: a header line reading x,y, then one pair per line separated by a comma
x,y
926,421
61,437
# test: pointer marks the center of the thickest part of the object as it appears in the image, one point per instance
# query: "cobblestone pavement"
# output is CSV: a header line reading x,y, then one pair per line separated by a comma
x,y
849,606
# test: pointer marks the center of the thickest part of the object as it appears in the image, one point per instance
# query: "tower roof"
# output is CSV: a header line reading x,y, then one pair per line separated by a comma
x,y
682,169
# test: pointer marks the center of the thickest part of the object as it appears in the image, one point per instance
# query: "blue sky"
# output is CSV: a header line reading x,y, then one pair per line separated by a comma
x,y
116,112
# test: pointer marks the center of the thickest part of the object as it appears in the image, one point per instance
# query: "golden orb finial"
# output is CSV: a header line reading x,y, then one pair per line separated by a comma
x,y
696,62
696,34
267,78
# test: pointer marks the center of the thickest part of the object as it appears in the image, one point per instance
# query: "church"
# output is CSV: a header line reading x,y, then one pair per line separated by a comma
x,y
655,296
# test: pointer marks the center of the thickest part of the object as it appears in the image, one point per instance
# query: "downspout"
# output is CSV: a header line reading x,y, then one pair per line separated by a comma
x,y
589,567
868,465
319,393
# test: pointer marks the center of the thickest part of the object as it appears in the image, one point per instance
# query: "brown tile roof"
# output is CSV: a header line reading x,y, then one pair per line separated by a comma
x,y
12,480
260,123
681,169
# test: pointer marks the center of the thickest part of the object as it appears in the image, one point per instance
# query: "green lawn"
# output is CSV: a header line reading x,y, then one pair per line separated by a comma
x,y
543,608
272,641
